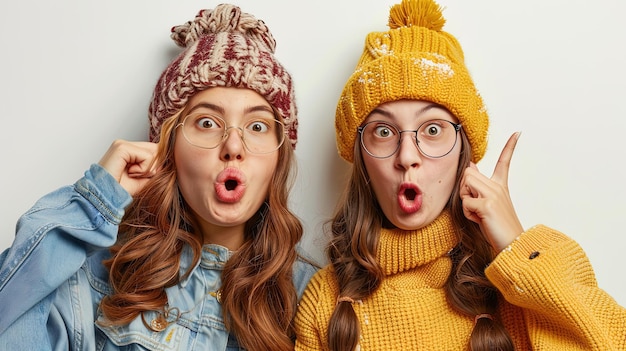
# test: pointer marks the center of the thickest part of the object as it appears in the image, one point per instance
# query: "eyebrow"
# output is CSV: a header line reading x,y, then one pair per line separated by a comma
x,y
221,110
424,109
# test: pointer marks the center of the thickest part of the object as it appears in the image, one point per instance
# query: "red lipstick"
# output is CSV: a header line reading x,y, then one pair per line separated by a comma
x,y
409,198
230,185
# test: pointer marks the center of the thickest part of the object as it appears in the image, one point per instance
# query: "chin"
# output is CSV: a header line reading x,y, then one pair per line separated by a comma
x,y
414,221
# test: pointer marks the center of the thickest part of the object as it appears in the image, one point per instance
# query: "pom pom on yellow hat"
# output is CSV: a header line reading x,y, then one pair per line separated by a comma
x,y
415,59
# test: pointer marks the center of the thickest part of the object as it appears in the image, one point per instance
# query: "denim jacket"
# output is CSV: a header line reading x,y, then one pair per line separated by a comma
x,y
52,280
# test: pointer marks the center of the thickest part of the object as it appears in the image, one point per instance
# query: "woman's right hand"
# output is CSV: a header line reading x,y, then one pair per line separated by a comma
x,y
487,201
131,163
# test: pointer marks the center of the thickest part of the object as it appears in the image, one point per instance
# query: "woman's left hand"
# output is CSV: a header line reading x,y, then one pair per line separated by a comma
x,y
487,201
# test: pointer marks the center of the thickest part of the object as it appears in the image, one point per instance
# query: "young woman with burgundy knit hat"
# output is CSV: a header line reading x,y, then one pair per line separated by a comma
x,y
426,252
182,243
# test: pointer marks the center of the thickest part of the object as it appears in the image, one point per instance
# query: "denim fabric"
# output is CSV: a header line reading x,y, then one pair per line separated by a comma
x,y
52,280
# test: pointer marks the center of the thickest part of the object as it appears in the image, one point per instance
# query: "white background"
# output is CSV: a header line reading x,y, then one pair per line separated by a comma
x,y
77,74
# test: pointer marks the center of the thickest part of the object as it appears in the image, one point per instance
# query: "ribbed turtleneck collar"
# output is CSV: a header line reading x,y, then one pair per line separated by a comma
x,y
400,250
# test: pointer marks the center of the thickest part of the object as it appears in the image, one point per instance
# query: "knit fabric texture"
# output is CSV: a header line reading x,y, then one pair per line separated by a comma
x,y
415,59
550,302
224,47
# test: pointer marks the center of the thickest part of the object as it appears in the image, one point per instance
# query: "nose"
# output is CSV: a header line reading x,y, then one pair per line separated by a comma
x,y
408,154
233,148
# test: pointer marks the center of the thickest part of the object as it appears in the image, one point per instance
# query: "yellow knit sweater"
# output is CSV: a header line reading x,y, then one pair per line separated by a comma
x,y
552,301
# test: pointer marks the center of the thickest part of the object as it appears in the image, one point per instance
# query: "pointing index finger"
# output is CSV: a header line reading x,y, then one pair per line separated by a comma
x,y
501,172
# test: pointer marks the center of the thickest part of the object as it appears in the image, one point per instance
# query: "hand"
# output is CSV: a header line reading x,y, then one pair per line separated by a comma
x,y
131,163
487,201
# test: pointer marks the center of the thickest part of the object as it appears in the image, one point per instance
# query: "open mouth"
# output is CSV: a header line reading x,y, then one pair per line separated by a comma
x,y
410,194
409,198
231,184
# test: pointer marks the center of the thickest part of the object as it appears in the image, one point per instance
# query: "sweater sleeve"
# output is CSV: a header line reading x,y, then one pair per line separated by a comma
x,y
550,278
313,314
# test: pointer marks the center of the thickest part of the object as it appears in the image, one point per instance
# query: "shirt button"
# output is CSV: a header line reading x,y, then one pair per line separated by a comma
x,y
533,255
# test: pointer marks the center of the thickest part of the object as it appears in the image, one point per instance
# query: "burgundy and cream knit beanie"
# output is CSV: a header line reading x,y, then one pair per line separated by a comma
x,y
224,47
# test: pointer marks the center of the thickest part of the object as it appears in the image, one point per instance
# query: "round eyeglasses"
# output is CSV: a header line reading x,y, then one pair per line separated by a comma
x,y
434,138
259,135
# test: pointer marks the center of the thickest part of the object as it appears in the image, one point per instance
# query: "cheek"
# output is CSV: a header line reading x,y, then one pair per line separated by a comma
x,y
378,168
266,168
378,174
189,162
447,185
447,177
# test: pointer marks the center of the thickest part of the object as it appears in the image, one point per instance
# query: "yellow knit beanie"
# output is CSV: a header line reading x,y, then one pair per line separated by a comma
x,y
415,59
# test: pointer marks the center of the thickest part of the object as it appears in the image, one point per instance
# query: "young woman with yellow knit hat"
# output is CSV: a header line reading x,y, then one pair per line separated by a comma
x,y
182,243
425,252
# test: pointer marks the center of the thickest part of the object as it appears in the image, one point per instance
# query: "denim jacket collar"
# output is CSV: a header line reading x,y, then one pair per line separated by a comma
x,y
212,257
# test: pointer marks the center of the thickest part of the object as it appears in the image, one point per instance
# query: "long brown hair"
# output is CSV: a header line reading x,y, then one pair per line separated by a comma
x,y
257,294
355,232
258,297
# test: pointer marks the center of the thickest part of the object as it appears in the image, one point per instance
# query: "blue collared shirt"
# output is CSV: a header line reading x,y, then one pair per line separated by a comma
x,y
52,280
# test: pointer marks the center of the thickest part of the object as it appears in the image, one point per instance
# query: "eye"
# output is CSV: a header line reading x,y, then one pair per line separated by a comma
x,y
383,131
259,126
206,122
432,129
